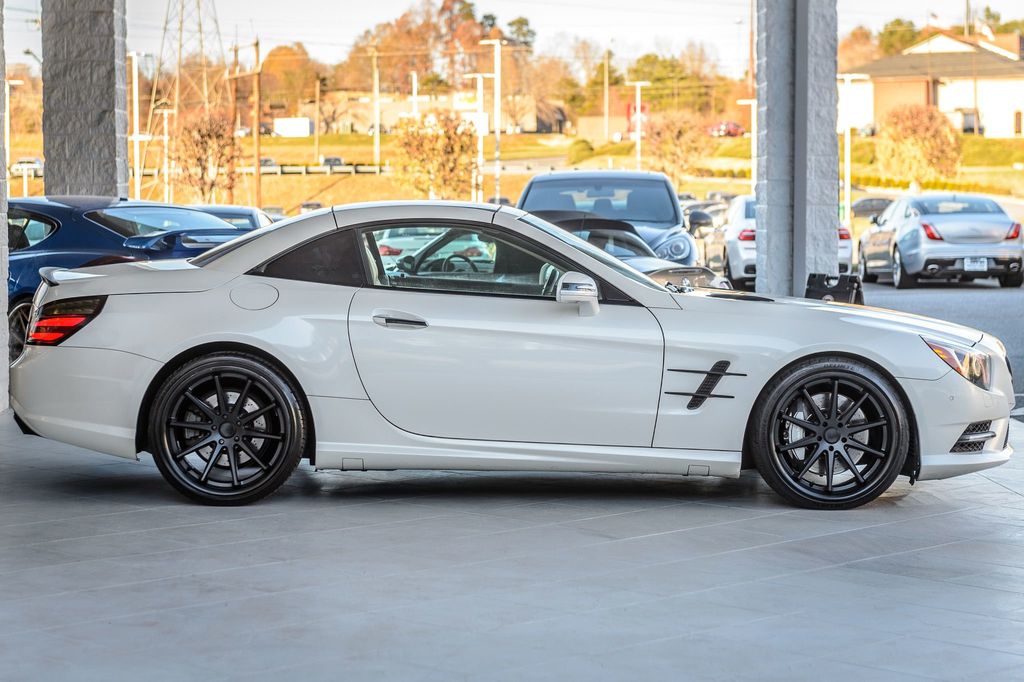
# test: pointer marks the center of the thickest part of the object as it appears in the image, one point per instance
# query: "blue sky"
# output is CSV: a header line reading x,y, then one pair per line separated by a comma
x,y
629,27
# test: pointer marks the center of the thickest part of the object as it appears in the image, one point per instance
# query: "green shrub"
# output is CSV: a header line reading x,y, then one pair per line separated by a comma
x,y
580,150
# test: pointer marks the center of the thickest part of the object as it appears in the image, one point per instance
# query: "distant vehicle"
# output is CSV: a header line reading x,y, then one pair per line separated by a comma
x,y
866,207
276,213
726,129
686,196
243,217
647,201
79,231
268,165
27,165
500,201
723,197
619,239
867,130
942,236
295,126
333,161
243,131
732,248
309,206
403,247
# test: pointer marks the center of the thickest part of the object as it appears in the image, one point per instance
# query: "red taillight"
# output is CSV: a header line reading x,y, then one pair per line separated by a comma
x,y
109,260
1014,231
844,233
747,235
60,319
386,250
931,232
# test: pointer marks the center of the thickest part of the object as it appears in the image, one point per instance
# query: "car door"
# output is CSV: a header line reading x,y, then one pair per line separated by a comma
x,y
473,345
880,237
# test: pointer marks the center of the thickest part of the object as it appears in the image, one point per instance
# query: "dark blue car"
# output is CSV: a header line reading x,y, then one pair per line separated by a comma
x,y
79,231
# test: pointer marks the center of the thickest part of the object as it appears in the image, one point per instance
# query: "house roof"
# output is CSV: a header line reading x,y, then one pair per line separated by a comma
x,y
982,64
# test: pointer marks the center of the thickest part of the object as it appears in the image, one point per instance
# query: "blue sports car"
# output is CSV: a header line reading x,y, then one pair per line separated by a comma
x,y
78,231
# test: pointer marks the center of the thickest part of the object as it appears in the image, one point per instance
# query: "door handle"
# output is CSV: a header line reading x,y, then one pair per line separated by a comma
x,y
396,320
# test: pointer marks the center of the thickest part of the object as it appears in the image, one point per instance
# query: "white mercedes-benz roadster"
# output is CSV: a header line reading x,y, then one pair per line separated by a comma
x,y
499,342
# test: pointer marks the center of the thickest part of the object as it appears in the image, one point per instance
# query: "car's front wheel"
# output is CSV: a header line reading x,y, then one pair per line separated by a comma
x,y
830,433
227,429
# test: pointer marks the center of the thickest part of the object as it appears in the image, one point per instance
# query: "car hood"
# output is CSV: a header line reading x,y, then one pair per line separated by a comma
x,y
881,319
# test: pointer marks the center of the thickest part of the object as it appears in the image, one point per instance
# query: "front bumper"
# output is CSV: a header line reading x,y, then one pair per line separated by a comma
x,y
88,397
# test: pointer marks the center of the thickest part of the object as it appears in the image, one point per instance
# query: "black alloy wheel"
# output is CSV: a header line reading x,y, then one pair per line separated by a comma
x,y
831,434
17,326
227,429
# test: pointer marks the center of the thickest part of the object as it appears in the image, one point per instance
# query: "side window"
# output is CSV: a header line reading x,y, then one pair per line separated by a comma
x,y
888,213
458,259
331,259
24,230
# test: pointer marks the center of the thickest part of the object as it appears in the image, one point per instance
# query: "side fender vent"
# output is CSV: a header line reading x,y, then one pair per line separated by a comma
x,y
707,387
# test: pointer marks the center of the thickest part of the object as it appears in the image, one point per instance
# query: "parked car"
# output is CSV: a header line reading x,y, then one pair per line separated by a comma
x,y
942,236
80,231
27,165
726,129
647,201
243,217
721,197
268,165
686,196
619,239
295,341
332,162
409,243
732,248
865,207
310,206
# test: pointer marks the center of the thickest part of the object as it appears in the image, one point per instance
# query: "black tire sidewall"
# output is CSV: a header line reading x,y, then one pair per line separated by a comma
x,y
761,426
294,414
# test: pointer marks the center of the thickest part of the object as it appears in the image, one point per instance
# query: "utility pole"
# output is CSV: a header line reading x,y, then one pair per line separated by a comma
x,y
257,69
8,84
481,131
638,120
415,94
967,18
232,78
136,135
607,133
752,103
497,43
376,110
316,122
166,172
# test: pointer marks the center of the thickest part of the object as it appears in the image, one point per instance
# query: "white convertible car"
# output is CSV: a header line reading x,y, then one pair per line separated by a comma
x,y
540,352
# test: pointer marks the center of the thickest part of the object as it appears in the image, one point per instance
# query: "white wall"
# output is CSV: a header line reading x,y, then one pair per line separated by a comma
x,y
856,104
998,99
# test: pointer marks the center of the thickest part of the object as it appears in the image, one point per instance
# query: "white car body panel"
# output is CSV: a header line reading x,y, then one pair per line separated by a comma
x,y
491,382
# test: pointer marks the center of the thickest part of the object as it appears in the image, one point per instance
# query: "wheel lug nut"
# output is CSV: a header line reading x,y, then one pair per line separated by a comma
x,y
222,441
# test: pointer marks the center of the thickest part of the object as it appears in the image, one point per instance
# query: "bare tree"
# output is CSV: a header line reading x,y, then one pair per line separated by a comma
x,y
437,155
204,151
676,142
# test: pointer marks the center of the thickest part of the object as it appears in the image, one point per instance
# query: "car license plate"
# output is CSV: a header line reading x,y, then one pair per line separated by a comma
x,y
975,264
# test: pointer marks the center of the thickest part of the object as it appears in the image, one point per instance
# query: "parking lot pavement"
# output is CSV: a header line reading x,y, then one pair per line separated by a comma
x,y
982,304
105,573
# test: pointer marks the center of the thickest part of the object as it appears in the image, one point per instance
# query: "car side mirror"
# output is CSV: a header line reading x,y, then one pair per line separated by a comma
x,y
575,287
873,219
699,221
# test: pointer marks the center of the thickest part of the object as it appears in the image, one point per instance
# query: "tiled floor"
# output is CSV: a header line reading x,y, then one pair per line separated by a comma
x,y
105,574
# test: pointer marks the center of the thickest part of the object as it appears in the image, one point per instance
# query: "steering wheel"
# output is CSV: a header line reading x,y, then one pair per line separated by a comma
x,y
447,265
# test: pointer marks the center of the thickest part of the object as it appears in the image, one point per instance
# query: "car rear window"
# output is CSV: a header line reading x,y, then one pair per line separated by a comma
x,y
947,205
140,221
632,200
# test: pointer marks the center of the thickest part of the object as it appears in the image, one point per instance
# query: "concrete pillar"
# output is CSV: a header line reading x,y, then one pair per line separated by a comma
x,y
797,152
85,116
4,261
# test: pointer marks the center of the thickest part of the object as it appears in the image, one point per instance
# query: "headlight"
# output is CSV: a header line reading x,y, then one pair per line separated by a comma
x,y
674,249
975,366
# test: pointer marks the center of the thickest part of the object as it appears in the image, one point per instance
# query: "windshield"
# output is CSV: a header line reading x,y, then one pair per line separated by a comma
x,y
141,221
617,243
597,254
955,204
635,200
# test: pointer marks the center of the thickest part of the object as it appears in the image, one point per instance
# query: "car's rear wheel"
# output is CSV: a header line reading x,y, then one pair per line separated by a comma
x,y
227,429
17,327
830,433
862,268
1011,280
901,279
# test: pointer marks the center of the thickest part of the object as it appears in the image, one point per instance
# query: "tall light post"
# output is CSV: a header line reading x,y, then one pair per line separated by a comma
x,y
166,172
481,131
415,94
376,110
844,120
752,103
638,119
8,84
497,43
137,135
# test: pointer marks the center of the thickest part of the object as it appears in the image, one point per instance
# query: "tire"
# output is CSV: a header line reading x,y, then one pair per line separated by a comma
x,y
901,279
258,440
736,282
17,327
794,443
1011,280
862,269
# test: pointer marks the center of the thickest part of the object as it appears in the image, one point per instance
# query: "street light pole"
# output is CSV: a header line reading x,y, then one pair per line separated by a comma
x,y
316,122
844,119
8,84
607,133
166,172
481,131
497,43
136,136
376,111
638,120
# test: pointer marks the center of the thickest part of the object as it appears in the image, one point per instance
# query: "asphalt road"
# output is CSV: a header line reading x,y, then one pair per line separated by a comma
x,y
982,305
